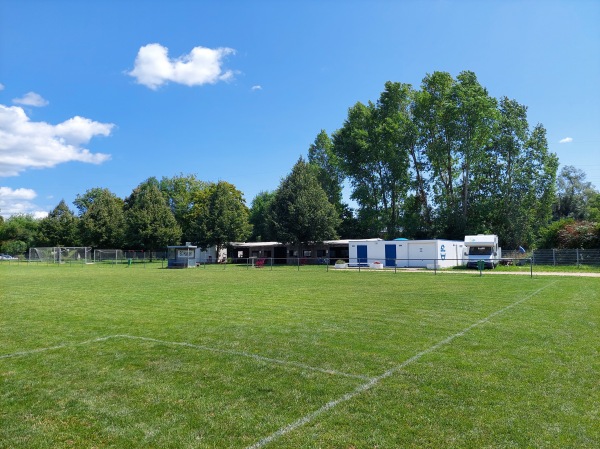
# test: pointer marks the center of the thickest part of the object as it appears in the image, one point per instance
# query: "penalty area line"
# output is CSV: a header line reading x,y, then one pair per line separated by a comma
x,y
255,357
376,380
51,348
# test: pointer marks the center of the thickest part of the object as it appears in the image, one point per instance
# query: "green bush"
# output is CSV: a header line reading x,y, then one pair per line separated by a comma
x,y
570,234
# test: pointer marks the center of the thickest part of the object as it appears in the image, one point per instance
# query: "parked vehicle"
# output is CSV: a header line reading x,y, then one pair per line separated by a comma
x,y
7,257
484,248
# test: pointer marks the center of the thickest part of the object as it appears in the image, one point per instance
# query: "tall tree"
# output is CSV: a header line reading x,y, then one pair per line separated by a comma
x,y
300,212
180,192
372,148
220,216
456,120
59,228
329,174
321,155
261,232
102,222
436,118
151,224
593,209
476,115
542,168
18,233
573,194
513,187
445,161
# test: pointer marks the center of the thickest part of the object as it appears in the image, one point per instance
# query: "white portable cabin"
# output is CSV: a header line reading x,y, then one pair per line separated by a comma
x,y
407,253
209,255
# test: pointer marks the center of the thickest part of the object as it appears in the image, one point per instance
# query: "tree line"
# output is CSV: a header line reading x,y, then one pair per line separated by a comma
x,y
441,161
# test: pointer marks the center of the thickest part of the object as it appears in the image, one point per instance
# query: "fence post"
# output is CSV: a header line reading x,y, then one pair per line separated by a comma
x,y
553,256
577,257
531,266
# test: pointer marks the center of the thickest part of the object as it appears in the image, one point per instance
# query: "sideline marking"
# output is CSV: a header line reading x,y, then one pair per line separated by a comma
x,y
191,345
375,380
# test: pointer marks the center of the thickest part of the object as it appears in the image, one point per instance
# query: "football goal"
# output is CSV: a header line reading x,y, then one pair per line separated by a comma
x,y
60,254
108,256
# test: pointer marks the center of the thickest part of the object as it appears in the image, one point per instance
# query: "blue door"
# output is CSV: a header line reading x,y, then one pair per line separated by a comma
x,y
361,254
390,255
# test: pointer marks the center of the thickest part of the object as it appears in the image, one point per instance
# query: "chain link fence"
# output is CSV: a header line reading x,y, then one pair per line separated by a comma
x,y
566,257
582,259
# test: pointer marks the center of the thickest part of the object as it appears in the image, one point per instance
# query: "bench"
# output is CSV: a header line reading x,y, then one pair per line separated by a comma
x,y
176,264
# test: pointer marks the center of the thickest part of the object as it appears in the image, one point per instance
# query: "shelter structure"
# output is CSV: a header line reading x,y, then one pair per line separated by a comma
x,y
326,252
241,252
183,256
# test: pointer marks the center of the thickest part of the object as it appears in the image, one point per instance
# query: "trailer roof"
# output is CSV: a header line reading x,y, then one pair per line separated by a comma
x,y
481,240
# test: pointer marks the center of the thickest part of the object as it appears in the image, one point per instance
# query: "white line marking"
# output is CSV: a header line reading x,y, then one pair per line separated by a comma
x,y
249,355
375,380
65,345
191,345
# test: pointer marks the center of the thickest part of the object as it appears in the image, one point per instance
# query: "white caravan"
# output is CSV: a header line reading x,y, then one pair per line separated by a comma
x,y
482,247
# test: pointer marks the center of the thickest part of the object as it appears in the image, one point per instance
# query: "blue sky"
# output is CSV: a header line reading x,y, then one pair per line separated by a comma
x,y
109,93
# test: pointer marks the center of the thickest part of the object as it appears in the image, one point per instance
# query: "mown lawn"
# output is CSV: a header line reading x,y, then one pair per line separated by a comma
x,y
207,358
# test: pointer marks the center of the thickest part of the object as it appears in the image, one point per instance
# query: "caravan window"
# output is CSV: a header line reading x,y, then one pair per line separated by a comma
x,y
481,250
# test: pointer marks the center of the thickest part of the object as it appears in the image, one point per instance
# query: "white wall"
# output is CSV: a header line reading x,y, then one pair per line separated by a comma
x,y
412,253
450,253
210,255
421,253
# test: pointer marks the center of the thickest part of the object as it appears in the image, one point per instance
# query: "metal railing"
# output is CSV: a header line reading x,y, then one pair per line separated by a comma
x,y
566,257
576,258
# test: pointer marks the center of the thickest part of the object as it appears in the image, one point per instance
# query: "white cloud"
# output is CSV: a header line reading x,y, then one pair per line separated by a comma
x,y
31,99
1,86
18,201
21,194
202,65
566,140
25,144
257,87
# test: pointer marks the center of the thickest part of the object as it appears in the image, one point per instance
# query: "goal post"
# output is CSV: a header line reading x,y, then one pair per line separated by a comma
x,y
108,256
61,254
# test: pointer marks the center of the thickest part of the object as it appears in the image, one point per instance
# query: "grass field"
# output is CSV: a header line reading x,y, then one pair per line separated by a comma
x,y
125,357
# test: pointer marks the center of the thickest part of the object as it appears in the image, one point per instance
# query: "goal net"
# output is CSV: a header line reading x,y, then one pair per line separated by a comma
x,y
108,255
59,254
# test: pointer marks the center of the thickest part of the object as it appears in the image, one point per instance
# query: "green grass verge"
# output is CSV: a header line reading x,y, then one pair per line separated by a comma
x,y
228,357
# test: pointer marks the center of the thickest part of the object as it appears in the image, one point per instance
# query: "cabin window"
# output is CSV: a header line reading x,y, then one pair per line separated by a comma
x,y
480,250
